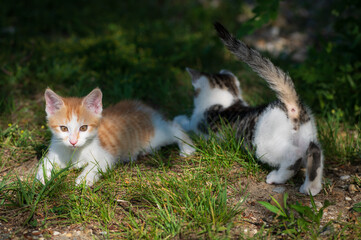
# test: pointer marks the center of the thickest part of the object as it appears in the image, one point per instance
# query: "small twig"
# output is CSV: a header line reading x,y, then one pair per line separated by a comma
x,y
26,58
254,223
6,71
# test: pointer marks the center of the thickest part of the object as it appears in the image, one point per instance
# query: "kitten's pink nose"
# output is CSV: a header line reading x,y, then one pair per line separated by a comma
x,y
73,141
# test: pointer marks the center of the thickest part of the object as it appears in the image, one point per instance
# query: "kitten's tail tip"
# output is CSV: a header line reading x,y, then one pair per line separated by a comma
x,y
221,30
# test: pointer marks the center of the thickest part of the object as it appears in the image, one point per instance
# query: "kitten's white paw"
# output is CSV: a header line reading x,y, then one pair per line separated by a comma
x,y
183,121
187,151
313,188
81,180
40,177
275,178
78,165
40,174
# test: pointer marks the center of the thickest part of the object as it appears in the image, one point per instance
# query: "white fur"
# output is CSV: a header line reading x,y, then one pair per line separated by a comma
x,y
167,133
278,145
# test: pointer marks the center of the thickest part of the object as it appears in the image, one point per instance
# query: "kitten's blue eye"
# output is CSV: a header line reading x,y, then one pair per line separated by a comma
x,y
83,128
63,128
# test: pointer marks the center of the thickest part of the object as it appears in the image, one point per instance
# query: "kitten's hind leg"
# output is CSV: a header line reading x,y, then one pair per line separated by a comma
x,y
166,133
183,121
283,154
286,171
289,158
314,167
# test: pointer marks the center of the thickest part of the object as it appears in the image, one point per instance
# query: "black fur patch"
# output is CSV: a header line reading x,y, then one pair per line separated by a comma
x,y
202,126
304,116
295,167
223,81
242,118
196,92
313,160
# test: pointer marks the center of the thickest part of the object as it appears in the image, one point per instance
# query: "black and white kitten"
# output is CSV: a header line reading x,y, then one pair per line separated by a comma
x,y
282,132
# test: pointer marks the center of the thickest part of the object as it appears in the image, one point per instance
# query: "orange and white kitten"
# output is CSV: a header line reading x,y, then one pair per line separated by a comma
x,y
95,139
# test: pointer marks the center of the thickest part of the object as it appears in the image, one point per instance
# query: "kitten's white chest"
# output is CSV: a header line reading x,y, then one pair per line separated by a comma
x,y
91,152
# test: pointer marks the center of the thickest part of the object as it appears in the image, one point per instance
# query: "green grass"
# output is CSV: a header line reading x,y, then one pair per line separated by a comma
x,y
341,141
139,50
296,219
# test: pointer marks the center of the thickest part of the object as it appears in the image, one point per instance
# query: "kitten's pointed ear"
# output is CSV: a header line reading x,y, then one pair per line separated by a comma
x,y
53,102
93,101
195,75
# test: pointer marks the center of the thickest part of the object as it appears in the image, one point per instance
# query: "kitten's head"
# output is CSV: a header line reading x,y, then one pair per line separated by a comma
x,y
73,121
223,86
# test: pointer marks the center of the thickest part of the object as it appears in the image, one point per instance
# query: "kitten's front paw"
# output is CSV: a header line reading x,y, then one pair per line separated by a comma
x,y
313,188
40,174
81,180
187,151
78,164
183,121
40,177
275,178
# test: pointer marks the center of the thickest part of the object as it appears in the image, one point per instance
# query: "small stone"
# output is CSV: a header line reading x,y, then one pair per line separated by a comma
x,y
56,233
68,235
279,189
103,233
318,204
36,233
348,199
352,188
345,177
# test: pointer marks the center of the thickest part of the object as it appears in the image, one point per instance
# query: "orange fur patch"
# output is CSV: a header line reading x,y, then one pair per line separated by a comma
x,y
126,128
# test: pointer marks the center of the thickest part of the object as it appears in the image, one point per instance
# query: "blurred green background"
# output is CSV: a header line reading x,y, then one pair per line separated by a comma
x,y
139,49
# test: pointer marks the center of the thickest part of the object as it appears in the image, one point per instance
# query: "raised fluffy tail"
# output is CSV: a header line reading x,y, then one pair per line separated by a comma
x,y
278,80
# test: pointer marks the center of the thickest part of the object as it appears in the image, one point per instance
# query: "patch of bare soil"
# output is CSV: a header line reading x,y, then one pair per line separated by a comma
x,y
339,188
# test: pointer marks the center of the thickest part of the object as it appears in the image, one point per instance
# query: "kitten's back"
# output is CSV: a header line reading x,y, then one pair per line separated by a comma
x,y
126,128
